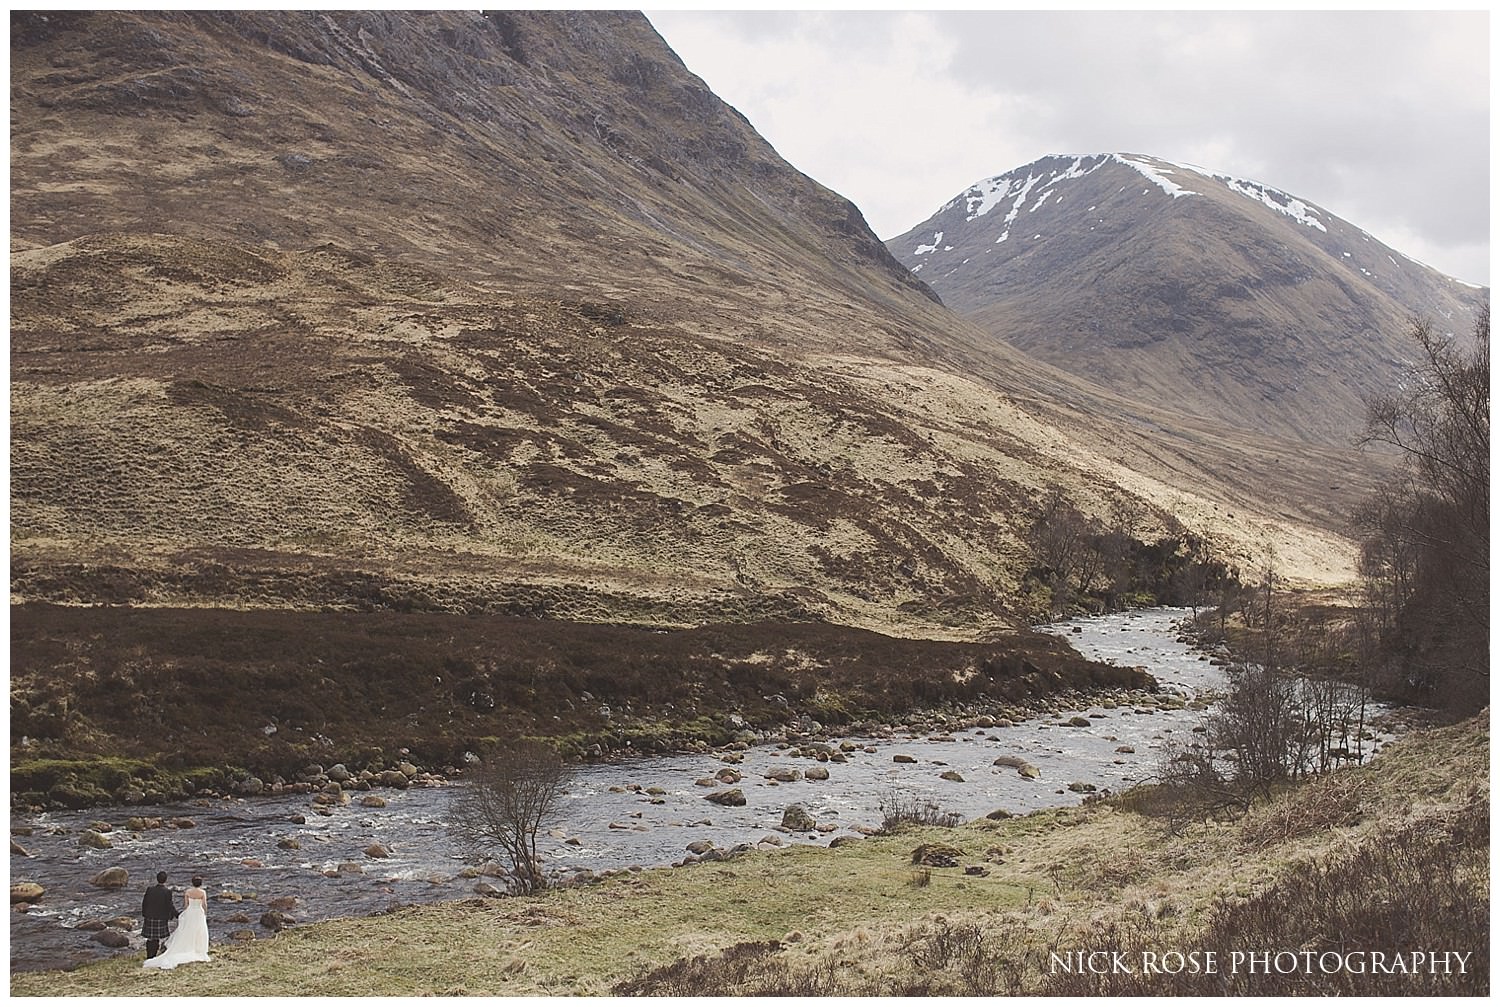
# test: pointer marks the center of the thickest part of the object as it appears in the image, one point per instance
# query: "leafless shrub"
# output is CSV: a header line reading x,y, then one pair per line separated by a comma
x,y
1334,801
899,809
510,795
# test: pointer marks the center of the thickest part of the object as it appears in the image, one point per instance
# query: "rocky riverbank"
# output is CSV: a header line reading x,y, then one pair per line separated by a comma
x,y
338,783
127,706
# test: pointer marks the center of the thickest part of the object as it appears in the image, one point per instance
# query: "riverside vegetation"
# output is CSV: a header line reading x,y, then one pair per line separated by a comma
x,y
1389,855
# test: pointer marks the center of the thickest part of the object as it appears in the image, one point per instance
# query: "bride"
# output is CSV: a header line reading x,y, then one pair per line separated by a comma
x,y
189,942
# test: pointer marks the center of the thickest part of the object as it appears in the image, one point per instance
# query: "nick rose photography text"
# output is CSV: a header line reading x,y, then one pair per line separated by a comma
x,y
1260,962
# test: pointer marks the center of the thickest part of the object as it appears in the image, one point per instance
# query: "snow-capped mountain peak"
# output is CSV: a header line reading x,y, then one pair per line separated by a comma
x,y
1101,263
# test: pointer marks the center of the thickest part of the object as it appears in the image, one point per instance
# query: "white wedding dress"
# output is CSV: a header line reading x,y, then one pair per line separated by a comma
x,y
188,943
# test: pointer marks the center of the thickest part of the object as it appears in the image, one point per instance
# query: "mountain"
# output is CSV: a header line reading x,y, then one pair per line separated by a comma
x,y
1173,283
507,313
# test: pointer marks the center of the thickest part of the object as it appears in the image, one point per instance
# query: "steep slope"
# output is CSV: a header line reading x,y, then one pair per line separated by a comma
x,y
508,313
1172,283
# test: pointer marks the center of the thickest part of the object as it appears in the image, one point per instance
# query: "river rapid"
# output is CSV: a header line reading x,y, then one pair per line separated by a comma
x,y
616,815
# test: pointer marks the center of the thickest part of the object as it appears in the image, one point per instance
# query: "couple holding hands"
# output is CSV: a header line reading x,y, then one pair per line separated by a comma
x,y
189,942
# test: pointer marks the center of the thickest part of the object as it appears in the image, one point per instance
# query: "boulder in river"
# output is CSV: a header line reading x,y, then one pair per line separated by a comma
x,y
289,843
94,840
700,846
784,774
729,776
1013,761
372,801
729,798
111,938
816,773
276,920
111,877
377,851
951,775
283,902
796,819
17,850
26,891
903,758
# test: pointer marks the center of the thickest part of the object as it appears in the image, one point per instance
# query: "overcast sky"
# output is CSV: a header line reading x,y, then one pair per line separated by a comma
x,y
1381,118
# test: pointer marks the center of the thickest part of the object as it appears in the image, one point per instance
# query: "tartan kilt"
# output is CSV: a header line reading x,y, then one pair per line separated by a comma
x,y
155,929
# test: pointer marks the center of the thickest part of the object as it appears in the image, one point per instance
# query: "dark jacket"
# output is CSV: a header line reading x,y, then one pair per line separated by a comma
x,y
158,904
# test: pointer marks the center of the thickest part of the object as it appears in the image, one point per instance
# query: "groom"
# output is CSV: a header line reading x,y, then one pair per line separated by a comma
x,y
157,910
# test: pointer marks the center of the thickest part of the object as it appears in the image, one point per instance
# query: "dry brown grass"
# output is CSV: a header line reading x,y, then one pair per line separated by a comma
x,y
664,375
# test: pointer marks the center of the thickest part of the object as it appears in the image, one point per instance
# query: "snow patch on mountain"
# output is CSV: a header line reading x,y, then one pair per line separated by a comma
x,y
983,196
1281,202
1156,174
937,238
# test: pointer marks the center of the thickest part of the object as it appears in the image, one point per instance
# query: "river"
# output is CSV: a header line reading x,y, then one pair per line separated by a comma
x,y
615,815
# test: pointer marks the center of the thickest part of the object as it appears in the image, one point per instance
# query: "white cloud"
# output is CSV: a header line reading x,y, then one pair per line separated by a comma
x,y
1381,118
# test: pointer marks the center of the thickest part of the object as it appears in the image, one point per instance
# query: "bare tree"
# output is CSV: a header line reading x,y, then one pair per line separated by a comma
x,y
510,795
1425,559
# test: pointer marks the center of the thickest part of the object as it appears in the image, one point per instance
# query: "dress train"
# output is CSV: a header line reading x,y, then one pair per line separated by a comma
x,y
188,943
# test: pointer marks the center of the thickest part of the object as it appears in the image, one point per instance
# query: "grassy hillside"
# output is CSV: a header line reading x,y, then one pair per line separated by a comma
x,y
1392,856
451,312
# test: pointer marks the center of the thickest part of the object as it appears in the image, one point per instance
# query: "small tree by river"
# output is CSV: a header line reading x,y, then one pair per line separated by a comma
x,y
511,794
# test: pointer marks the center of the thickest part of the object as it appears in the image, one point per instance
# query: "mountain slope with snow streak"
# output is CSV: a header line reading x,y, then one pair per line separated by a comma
x,y
1171,282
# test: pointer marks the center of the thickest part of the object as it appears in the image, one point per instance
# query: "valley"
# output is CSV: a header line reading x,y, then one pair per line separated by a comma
x,y
388,388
